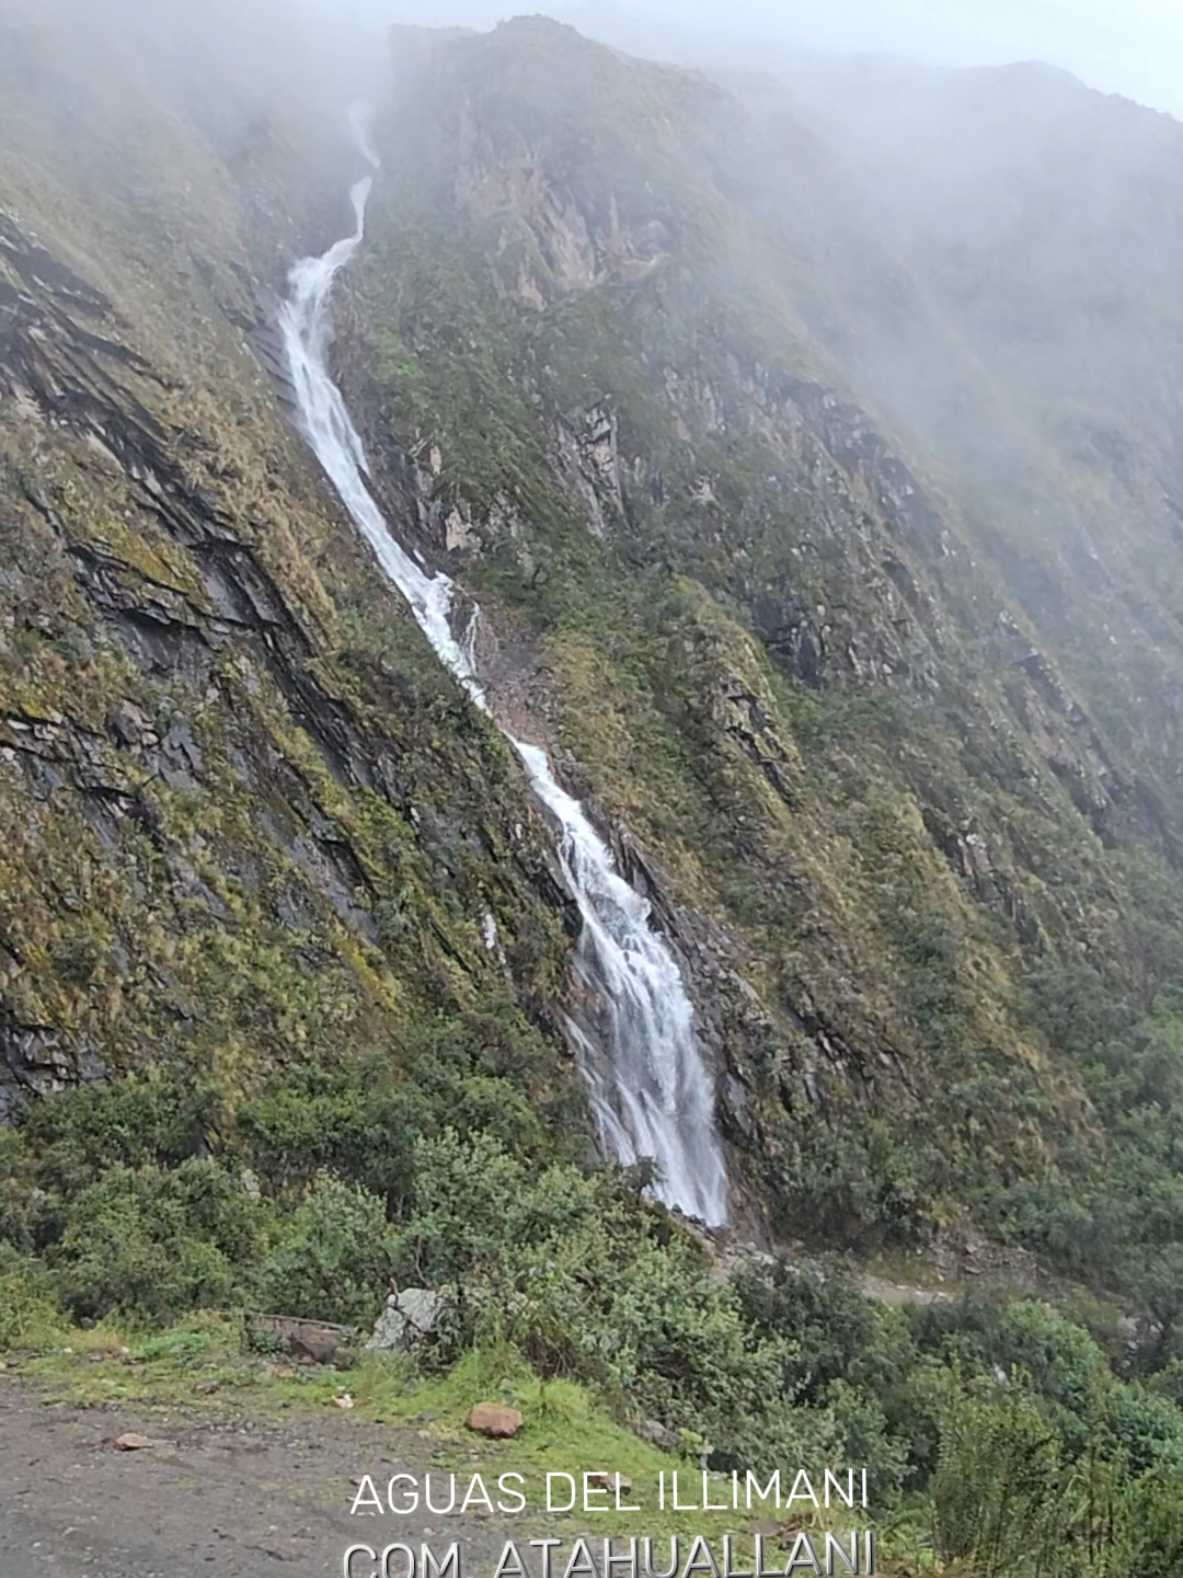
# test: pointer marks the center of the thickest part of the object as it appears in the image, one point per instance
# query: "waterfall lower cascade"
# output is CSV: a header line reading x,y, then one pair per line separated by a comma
x,y
650,1089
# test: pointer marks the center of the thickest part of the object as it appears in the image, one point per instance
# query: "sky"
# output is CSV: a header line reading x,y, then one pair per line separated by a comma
x,y
1133,47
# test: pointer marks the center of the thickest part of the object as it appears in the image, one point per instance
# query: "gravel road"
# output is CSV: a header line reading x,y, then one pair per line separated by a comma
x,y
204,1500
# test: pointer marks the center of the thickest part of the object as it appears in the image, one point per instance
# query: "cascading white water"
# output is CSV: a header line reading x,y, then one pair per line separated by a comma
x,y
650,1090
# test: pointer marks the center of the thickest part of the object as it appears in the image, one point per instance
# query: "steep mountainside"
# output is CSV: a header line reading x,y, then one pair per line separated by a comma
x,y
250,823
810,451
1041,221
799,517
624,338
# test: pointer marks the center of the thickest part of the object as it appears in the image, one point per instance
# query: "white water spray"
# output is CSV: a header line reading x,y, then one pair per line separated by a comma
x,y
650,1090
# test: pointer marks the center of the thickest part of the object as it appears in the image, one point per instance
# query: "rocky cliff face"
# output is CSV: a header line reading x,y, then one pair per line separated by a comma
x,y
619,343
249,823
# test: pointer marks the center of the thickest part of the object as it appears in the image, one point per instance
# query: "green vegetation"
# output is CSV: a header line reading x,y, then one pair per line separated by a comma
x,y
1000,1438
1123,1227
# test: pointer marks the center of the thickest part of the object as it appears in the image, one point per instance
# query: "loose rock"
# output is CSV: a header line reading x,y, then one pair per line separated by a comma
x,y
409,1316
491,1419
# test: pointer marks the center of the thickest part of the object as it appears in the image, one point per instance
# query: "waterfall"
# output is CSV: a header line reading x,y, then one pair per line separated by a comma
x,y
650,1090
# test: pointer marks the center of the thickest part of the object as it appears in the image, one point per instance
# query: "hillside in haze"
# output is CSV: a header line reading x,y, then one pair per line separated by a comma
x,y
799,547
812,447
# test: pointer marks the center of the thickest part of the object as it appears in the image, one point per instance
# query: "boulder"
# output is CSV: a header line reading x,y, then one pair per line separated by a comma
x,y
408,1317
492,1419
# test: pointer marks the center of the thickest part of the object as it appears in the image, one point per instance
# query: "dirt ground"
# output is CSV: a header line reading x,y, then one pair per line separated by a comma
x,y
227,1500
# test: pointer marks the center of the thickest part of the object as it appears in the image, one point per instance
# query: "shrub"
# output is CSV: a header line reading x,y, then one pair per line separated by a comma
x,y
831,1324
996,1491
331,1259
151,1244
360,1122
590,1281
155,1118
1155,1518
1063,1364
1144,1432
29,1310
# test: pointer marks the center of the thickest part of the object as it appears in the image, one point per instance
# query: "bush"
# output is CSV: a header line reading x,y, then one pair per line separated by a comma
x,y
1144,1432
331,1259
1063,1366
151,1244
360,1122
29,1310
847,1359
590,1281
997,1489
312,1121
1155,1518
471,1203
832,1326
154,1118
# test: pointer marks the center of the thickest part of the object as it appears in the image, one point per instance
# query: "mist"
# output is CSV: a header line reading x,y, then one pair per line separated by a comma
x,y
1135,48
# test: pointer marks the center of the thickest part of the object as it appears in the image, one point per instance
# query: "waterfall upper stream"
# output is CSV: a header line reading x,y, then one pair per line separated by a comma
x,y
650,1089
